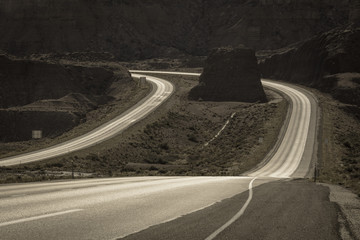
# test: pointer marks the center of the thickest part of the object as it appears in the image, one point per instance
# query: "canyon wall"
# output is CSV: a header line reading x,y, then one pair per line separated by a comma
x,y
52,97
135,29
328,61
26,81
230,74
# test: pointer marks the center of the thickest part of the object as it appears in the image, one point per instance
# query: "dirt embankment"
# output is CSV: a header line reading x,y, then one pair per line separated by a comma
x,y
230,74
52,97
147,29
339,148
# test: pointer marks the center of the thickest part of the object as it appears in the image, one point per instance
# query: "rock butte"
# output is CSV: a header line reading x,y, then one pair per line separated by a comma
x,y
230,74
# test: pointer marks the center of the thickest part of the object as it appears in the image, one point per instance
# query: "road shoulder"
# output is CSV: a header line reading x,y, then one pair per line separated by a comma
x,y
349,217
285,209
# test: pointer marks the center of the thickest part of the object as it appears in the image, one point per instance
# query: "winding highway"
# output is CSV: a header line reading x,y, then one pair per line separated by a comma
x,y
162,90
294,152
179,207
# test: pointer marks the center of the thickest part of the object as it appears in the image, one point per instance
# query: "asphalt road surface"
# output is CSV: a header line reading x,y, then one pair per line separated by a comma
x,y
266,204
162,89
294,210
106,208
294,154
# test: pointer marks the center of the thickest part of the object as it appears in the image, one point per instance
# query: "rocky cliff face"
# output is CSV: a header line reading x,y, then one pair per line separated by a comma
x,y
143,29
26,81
52,97
230,75
17,125
329,62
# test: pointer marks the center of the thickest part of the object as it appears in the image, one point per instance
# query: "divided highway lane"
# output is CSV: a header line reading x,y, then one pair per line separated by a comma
x,y
162,89
107,208
113,208
294,154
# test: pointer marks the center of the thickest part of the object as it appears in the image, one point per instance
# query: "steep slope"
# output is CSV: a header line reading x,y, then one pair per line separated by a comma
x,y
26,81
143,29
52,97
329,62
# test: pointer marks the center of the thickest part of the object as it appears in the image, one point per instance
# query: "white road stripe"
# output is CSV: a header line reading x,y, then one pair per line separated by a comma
x,y
38,217
237,215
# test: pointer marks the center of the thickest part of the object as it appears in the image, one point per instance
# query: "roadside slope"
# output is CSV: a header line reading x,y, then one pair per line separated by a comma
x,y
161,91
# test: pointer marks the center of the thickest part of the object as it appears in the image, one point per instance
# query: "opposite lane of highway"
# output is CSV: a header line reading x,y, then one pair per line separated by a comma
x,y
162,90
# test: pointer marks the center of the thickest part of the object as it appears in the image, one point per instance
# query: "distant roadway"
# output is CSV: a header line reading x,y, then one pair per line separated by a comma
x,y
263,204
161,91
292,156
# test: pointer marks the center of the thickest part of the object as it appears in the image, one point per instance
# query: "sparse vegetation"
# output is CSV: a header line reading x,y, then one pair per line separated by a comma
x,y
339,153
171,142
94,118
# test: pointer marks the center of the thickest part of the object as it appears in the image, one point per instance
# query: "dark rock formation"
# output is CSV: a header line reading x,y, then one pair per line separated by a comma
x,y
17,125
230,74
328,61
354,15
162,28
26,81
52,97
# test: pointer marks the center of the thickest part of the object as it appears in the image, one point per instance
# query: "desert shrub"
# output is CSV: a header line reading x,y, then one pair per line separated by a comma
x,y
92,157
192,138
153,168
164,146
56,164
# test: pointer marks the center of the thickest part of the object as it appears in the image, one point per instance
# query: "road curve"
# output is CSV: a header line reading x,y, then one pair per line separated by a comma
x,y
295,150
294,153
162,89
118,207
291,157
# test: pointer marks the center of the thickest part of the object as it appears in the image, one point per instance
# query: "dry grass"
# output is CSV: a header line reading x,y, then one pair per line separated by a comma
x,y
339,153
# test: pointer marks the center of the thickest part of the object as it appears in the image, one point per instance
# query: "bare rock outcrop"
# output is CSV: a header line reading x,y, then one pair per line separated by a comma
x,y
26,81
52,97
328,61
17,125
230,74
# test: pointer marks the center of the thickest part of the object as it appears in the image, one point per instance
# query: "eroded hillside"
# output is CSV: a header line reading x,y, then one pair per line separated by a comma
x,y
144,29
53,97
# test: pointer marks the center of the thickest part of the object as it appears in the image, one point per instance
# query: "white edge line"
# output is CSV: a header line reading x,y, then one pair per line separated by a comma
x,y
39,217
237,215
